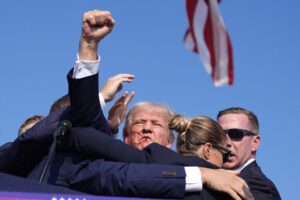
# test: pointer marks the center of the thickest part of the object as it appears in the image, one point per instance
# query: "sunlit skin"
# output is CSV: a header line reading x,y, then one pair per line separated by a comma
x,y
148,126
242,150
211,154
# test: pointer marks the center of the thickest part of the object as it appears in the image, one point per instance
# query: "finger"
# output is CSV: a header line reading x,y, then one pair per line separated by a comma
x,y
234,195
242,189
89,18
235,172
104,18
122,80
129,98
118,76
121,99
128,80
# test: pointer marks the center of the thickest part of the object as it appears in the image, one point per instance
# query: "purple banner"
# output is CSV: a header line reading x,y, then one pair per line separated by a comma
x,y
48,196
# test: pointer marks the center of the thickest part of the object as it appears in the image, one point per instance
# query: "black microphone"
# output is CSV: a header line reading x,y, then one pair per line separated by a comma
x,y
63,127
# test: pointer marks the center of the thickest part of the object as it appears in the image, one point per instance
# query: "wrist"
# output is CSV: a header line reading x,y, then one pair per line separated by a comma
x,y
203,174
105,97
88,49
114,128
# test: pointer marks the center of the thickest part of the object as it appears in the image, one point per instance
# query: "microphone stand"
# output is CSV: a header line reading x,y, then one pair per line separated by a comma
x,y
62,128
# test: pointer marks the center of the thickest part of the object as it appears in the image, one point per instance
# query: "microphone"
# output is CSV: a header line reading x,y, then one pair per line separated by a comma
x,y
63,127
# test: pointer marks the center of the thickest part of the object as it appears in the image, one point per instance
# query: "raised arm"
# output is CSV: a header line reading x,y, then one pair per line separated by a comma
x,y
27,150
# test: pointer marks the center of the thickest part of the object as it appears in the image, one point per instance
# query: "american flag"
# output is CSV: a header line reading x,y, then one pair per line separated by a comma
x,y
207,36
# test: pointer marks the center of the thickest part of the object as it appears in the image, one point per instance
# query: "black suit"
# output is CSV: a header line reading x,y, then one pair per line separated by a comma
x,y
97,145
4,147
260,186
91,143
19,157
99,176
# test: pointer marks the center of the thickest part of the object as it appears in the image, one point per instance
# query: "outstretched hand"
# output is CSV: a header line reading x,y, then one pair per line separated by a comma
x,y
118,111
113,85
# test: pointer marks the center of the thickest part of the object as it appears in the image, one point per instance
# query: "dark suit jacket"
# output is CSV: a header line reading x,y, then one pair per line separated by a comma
x,y
100,176
91,143
97,176
19,158
4,147
28,149
149,180
261,187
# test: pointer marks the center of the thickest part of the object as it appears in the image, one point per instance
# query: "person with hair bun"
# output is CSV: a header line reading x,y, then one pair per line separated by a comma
x,y
201,136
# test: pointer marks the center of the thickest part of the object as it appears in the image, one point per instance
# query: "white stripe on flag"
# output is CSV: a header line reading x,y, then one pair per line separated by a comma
x,y
208,38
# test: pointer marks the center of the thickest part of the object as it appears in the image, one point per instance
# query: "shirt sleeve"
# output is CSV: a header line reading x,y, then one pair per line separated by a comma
x,y
102,101
85,68
193,179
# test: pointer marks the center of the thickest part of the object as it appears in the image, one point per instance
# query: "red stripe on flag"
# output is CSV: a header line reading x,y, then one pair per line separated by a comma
x,y
230,63
191,7
209,39
207,36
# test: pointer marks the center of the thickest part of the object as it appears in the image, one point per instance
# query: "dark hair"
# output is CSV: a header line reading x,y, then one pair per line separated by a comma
x,y
62,102
237,110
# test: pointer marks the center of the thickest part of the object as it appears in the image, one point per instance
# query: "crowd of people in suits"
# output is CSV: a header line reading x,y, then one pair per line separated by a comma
x,y
214,159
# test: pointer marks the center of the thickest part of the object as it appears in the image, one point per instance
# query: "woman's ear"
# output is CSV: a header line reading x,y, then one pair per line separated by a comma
x,y
207,148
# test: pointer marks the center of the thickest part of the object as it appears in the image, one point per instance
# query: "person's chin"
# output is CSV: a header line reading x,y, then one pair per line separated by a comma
x,y
230,164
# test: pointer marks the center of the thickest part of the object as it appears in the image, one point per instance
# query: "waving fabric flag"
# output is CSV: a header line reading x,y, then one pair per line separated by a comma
x,y
208,37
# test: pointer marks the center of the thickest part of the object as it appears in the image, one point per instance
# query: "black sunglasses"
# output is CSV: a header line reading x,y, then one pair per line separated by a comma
x,y
238,134
226,153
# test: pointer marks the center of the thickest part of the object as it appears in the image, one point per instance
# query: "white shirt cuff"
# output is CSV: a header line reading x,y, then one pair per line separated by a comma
x,y
193,179
102,101
85,68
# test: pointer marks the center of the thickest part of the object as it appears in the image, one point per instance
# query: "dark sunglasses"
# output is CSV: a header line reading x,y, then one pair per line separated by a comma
x,y
238,134
226,153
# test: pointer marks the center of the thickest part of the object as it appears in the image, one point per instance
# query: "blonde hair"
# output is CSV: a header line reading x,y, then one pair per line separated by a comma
x,y
148,105
29,121
192,132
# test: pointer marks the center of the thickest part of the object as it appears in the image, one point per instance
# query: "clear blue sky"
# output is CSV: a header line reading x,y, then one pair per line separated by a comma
x,y
39,41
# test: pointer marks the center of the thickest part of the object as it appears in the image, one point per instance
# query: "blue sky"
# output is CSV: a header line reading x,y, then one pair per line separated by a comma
x,y
39,41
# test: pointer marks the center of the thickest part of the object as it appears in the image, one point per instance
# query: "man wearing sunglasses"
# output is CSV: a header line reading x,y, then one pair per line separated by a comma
x,y
242,129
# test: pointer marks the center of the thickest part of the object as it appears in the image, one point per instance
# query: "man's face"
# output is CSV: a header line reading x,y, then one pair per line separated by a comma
x,y
243,149
148,126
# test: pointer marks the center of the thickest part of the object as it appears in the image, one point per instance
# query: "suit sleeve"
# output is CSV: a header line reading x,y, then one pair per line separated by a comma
x,y
92,143
121,179
85,109
29,148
